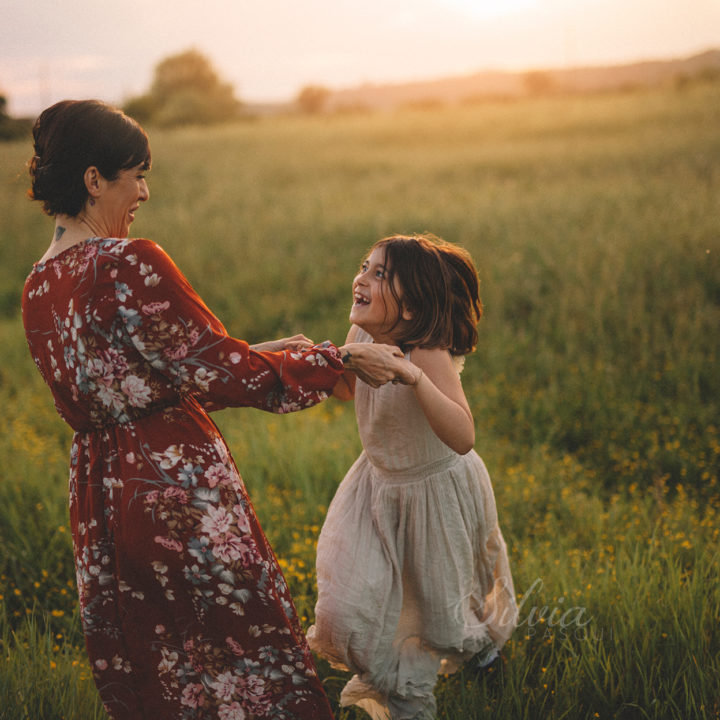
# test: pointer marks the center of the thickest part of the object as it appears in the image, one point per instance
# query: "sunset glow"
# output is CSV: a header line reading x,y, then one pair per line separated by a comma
x,y
270,50
487,9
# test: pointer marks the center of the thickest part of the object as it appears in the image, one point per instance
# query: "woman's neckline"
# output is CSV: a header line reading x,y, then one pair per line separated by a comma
x,y
42,264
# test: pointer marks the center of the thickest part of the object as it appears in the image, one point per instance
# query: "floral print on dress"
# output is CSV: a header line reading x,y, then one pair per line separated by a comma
x,y
185,610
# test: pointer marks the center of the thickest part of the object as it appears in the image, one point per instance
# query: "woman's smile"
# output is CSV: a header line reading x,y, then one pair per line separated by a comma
x,y
123,198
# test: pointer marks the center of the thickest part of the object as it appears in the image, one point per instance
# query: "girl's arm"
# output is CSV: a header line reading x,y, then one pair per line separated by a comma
x,y
439,391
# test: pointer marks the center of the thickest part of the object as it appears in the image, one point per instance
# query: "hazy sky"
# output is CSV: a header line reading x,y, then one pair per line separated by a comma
x,y
269,49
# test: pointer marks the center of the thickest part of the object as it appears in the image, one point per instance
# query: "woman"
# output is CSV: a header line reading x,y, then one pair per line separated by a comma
x,y
185,611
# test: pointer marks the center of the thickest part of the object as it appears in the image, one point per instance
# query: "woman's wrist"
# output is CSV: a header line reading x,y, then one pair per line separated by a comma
x,y
346,356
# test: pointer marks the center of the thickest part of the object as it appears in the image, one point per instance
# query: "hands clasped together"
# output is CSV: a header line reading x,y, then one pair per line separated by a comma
x,y
374,363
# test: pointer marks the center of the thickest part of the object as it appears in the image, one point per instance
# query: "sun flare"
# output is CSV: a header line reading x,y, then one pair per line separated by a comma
x,y
492,8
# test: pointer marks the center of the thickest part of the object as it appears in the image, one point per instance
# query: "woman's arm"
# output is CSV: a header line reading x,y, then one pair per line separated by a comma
x,y
171,327
439,391
295,343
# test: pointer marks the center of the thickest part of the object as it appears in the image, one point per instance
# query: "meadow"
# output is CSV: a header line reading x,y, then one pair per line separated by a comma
x,y
595,388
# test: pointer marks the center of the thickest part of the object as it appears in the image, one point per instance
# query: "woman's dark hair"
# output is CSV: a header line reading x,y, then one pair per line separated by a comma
x,y
73,135
438,284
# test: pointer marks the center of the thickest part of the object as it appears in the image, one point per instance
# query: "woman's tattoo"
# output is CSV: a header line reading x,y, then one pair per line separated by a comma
x,y
59,230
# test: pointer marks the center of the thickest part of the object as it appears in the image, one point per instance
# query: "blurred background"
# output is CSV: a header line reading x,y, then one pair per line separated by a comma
x,y
572,148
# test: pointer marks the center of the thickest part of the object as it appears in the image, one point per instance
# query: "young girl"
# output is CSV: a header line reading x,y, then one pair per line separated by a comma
x,y
413,574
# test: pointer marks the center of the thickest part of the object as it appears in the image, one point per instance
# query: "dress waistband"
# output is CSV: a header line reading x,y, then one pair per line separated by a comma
x,y
416,472
126,418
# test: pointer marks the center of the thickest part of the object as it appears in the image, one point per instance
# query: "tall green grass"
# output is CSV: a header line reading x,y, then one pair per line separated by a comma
x,y
594,222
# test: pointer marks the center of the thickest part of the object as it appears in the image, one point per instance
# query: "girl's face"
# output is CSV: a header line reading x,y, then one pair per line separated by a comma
x,y
374,308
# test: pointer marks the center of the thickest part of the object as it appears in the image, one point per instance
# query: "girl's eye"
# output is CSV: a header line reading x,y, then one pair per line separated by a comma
x,y
379,273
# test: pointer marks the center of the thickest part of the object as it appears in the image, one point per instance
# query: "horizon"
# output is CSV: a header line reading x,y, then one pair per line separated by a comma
x,y
269,53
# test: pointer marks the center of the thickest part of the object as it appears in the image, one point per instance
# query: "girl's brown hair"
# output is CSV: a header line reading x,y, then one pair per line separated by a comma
x,y
438,284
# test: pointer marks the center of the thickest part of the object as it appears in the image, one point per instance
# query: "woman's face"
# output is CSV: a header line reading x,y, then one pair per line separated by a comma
x,y
121,200
374,308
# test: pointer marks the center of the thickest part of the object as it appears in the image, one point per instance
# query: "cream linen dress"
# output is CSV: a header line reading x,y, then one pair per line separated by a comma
x,y
413,573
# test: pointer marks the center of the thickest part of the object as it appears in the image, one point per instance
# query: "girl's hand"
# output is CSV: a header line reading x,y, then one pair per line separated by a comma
x,y
294,343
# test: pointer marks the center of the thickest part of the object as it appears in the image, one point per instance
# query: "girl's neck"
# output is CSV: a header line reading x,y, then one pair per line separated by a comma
x,y
384,338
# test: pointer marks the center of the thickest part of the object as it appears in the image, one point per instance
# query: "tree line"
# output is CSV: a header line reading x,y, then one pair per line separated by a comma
x,y
185,90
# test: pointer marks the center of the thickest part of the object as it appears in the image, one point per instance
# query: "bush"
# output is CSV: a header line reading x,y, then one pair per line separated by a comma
x,y
186,91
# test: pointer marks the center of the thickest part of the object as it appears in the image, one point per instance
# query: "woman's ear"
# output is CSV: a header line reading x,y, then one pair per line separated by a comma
x,y
93,181
407,313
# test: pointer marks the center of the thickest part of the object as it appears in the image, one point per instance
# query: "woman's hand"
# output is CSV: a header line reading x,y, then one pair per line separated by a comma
x,y
376,364
408,373
294,343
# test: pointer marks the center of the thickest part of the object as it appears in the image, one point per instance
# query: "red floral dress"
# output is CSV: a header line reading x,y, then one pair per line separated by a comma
x,y
185,611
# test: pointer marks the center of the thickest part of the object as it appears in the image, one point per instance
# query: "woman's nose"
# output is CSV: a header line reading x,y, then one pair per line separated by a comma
x,y
144,191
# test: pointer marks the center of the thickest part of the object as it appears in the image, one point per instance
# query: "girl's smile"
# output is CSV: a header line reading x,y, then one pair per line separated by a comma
x,y
374,308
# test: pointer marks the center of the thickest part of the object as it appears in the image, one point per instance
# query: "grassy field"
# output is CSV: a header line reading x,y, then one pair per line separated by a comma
x,y
595,222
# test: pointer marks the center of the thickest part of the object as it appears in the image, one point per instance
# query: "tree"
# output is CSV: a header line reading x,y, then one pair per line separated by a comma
x,y
312,99
186,90
537,82
12,128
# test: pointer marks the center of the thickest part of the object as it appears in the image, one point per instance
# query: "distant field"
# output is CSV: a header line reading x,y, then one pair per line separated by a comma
x,y
595,223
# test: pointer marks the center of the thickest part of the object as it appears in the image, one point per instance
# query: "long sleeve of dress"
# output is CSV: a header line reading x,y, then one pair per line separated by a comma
x,y
176,333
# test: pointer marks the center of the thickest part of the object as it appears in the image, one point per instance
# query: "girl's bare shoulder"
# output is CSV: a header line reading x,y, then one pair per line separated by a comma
x,y
432,357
